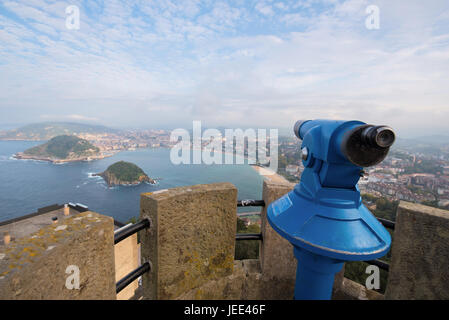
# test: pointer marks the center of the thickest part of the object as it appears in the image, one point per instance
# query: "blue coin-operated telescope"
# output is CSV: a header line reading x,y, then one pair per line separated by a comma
x,y
323,217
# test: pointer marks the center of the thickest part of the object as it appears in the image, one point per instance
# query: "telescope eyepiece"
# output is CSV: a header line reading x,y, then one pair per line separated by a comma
x,y
367,145
297,127
378,136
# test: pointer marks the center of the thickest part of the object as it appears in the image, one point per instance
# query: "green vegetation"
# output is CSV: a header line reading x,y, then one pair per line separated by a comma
x,y
384,208
132,220
63,147
284,160
125,171
355,270
246,249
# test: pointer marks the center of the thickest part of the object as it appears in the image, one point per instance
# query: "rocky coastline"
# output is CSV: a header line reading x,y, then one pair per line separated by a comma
x,y
22,156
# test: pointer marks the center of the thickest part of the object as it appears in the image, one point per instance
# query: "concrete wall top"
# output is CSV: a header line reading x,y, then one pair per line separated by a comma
x,y
38,266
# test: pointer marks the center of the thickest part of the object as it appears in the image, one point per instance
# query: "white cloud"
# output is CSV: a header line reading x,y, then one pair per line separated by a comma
x,y
281,6
226,64
264,9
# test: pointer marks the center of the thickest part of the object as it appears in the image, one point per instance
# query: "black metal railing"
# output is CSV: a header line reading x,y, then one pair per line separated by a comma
x,y
129,230
261,203
387,223
258,236
381,264
248,236
250,203
122,234
133,275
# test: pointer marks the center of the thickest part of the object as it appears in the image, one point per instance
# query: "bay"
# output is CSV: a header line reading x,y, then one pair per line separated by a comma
x,y
26,185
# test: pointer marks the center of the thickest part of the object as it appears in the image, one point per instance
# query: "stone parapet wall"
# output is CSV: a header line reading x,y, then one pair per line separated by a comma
x,y
191,244
191,240
245,283
37,266
420,254
191,247
276,253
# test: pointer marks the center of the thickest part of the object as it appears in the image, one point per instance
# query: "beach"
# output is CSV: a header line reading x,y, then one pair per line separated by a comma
x,y
269,175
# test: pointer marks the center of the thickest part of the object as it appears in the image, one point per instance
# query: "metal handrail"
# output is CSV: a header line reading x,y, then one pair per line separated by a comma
x,y
381,264
251,203
133,275
129,230
387,223
248,236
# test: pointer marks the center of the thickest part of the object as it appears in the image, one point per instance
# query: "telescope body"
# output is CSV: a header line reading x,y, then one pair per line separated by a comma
x,y
323,217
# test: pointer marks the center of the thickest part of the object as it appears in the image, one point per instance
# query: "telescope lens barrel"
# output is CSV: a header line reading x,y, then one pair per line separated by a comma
x,y
367,145
364,145
379,136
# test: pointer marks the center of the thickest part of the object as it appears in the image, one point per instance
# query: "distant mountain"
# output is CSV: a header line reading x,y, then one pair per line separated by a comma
x,y
434,140
430,145
124,173
48,130
62,149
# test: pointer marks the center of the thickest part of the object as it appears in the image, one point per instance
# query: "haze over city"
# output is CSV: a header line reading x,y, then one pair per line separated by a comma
x,y
259,64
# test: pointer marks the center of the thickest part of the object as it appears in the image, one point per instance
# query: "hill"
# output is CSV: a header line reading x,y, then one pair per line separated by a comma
x,y
62,149
436,145
48,130
124,173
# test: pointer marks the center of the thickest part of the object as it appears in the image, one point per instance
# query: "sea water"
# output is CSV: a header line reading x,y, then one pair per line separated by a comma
x,y
26,185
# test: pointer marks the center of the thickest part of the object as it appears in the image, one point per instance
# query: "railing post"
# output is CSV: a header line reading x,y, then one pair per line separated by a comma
x,y
191,240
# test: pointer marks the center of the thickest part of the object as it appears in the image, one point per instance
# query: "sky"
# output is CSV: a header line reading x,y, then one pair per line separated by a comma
x,y
259,64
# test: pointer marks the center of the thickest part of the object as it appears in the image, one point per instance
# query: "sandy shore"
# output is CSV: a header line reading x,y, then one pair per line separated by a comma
x,y
269,175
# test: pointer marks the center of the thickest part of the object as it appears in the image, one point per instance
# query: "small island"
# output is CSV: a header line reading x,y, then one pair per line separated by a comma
x,y
124,173
64,148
